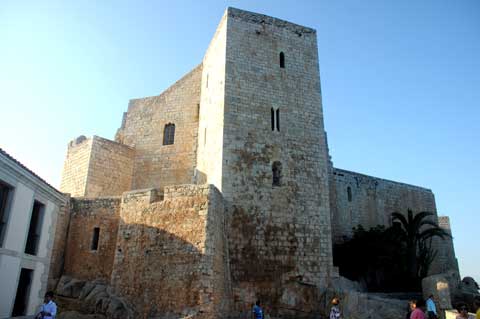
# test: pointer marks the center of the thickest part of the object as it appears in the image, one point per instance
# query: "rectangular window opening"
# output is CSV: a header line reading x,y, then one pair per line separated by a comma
x,y
34,231
6,192
95,238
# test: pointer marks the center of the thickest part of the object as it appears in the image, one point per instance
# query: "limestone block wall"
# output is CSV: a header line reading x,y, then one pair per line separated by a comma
x,y
446,252
97,167
157,165
110,169
171,257
210,127
57,260
81,261
279,236
370,201
75,167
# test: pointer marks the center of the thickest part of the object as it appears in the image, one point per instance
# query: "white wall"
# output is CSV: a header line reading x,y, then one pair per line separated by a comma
x,y
19,218
9,272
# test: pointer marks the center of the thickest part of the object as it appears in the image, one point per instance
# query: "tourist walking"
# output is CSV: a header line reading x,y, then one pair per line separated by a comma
x,y
335,311
257,311
416,313
49,308
431,308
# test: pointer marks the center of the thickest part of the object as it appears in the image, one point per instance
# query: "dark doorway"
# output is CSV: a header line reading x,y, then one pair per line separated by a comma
x,y
23,290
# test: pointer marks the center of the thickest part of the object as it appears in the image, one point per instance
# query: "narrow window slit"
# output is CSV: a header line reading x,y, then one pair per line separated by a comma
x,y
276,173
169,134
273,118
278,120
95,238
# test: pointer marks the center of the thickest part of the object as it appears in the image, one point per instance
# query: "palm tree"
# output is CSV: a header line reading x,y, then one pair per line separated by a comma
x,y
415,231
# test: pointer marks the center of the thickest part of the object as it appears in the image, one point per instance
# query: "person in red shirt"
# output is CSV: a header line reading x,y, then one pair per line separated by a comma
x,y
416,313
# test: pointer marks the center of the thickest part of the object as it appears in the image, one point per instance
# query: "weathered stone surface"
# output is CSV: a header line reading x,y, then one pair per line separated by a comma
x,y
57,260
359,199
95,297
171,254
157,165
469,284
346,285
97,167
357,305
438,286
69,287
78,315
86,214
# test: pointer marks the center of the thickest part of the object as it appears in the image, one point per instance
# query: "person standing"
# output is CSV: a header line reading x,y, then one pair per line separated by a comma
x,y
257,311
49,307
416,313
431,308
335,311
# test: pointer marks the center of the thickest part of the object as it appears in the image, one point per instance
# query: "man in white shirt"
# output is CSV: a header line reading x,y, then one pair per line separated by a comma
x,y
49,308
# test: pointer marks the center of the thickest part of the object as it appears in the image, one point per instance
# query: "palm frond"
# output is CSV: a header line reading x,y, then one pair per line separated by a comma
x,y
399,217
434,232
417,220
428,222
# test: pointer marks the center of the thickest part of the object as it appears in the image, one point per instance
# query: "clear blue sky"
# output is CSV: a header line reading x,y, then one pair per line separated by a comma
x,y
400,83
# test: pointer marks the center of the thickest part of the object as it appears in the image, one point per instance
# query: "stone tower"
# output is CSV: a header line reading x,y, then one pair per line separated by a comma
x,y
262,143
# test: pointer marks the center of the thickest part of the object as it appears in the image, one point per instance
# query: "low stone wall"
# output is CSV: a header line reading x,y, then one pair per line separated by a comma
x,y
86,214
170,257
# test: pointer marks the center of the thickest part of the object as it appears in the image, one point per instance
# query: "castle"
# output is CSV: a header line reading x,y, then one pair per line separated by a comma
x,y
221,189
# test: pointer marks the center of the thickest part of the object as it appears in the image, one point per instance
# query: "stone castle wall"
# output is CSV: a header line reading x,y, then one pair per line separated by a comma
x,y
210,128
446,251
75,168
370,201
171,256
81,261
279,236
110,169
97,167
57,260
157,165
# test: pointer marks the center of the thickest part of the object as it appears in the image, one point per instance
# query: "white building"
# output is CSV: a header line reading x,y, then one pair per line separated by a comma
x,y
28,213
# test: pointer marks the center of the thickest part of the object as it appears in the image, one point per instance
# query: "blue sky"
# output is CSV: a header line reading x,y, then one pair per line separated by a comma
x,y
400,83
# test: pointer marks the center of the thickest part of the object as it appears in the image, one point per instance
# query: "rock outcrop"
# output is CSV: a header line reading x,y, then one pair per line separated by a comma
x,y
90,299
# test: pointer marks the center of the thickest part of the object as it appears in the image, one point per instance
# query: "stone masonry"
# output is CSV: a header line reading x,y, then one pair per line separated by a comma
x,y
97,167
242,203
